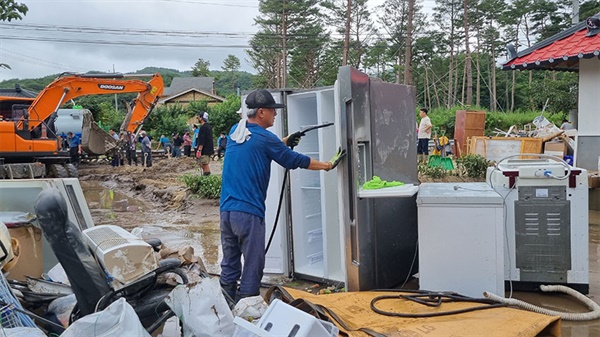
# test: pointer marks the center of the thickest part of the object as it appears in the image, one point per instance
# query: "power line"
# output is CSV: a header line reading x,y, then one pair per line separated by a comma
x,y
129,43
137,32
34,60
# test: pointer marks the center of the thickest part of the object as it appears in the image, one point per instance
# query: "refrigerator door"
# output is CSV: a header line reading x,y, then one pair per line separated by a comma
x,y
316,248
377,127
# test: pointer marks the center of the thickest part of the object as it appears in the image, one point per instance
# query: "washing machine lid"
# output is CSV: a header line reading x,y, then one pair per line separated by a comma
x,y
457,193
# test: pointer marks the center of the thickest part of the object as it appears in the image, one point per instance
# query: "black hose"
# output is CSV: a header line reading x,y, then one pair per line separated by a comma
x,y
285,179
433,299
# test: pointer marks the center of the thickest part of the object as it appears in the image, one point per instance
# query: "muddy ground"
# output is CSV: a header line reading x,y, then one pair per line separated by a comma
x,y
156,200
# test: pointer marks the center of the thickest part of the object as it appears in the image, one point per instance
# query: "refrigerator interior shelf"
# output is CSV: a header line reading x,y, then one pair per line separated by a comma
x,y
407,190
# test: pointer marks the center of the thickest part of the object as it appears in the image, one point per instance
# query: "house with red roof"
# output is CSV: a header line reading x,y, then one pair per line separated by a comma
x,y
575,49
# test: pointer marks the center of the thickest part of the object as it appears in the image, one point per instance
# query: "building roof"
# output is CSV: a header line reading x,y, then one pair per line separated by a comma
x,y
181,84
206,93
18,92
561,51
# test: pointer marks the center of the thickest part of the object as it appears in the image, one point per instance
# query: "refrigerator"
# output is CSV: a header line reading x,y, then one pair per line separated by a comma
x,y
376,125
329,229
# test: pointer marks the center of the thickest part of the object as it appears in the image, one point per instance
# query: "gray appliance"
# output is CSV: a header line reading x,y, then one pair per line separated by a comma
x,y
376,126
316,238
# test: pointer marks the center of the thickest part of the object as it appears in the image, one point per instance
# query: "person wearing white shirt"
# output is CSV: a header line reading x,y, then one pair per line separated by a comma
x,y
424,134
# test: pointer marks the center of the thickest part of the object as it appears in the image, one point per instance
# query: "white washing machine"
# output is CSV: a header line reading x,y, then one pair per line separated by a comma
x,y
546,222
460,238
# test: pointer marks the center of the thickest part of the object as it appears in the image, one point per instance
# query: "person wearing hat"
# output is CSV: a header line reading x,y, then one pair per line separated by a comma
x,y
246,171
146,150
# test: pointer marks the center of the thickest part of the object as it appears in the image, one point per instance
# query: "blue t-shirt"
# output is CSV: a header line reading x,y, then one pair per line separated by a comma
x,y
195,138
164,140
75,141
247,169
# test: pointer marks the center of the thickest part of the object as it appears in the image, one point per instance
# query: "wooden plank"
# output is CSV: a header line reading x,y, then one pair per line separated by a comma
x,y
496,148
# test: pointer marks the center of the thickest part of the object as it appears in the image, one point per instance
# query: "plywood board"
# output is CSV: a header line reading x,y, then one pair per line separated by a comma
x,y
496,148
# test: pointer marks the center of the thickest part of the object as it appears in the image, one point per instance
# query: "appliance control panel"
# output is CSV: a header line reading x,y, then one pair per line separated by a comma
x,y
534,172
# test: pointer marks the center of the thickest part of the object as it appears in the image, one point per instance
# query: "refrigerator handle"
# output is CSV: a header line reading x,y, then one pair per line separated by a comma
x,y
350,175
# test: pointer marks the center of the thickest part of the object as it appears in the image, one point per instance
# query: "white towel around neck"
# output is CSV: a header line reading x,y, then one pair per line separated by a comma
x,y
241,133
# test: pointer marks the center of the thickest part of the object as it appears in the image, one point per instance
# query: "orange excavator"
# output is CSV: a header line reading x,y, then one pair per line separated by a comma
x,y
29,145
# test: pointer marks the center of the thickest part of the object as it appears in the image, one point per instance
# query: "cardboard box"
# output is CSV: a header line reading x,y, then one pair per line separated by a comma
x,y
31,259
558,149
593,180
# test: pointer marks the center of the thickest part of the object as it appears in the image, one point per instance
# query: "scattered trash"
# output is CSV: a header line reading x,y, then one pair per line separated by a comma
x,y
250,308
201,309
118,319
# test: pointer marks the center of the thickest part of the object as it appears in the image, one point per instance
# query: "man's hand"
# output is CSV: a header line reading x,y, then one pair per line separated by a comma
x,y
294,139
336,158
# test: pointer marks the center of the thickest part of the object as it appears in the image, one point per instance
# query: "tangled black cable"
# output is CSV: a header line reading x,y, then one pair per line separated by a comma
x,y
433,299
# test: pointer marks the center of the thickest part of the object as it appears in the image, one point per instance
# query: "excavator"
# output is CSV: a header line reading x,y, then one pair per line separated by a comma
x,y
30,147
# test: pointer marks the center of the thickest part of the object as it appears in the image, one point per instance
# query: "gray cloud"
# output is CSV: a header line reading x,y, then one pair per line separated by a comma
x,y
34,58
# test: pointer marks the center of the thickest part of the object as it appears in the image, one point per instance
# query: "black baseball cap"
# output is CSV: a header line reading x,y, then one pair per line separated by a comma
x,y
262,98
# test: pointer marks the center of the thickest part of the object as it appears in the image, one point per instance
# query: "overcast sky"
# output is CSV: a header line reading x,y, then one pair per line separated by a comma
x,y
83,35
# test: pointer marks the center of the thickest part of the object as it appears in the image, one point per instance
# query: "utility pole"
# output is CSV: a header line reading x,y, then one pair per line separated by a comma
x,y
575,18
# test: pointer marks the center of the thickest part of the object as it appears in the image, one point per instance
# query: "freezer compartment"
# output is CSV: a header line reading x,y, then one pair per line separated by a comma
x,y
384,243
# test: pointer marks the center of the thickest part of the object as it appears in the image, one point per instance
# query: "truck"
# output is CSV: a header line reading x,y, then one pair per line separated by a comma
x,y
30,146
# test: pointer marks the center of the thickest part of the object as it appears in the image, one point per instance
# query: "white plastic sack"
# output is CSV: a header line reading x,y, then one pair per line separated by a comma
x,y
21,332
202,309
250,308
118,319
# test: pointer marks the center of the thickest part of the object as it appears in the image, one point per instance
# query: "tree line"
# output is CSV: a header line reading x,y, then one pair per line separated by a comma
x,y
450,52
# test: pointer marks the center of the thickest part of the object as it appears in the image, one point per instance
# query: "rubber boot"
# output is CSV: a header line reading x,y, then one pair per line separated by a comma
x,y
231,291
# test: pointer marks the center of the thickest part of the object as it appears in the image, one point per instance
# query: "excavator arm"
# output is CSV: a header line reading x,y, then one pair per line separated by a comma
x,y
72,86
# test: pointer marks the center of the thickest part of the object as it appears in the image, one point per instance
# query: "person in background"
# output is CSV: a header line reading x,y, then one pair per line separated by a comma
x,y
424,135
187,144
146,149
177,143
566,125
166,144
222,143
74,148
130,148
195,133
113,134
250,150
205,144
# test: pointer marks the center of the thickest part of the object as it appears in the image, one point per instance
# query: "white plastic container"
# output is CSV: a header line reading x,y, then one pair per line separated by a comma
x,y
283,320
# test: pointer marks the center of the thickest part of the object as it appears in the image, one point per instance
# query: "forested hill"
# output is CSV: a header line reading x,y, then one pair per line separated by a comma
x,y
226,82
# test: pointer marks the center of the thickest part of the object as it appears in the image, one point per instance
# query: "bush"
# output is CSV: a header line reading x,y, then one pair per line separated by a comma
x,y
208,187
435,172
473,165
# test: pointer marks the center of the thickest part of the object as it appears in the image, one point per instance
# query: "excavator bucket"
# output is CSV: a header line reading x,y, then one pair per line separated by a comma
x,y
94,140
